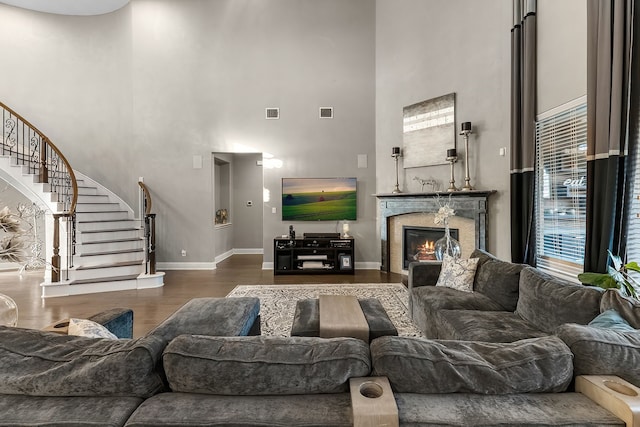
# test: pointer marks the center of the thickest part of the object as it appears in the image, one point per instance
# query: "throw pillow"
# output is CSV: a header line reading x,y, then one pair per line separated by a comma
x,y
611,319
458,273
89,329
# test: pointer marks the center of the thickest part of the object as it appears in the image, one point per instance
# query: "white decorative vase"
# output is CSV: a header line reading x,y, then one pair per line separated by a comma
x,y
8,311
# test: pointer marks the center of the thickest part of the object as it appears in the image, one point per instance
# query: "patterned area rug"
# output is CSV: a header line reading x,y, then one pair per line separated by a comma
x,y
278,303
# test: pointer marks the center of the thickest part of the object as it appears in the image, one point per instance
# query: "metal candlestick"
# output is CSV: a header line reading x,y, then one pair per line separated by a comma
x,y
465,134
397,187
452,181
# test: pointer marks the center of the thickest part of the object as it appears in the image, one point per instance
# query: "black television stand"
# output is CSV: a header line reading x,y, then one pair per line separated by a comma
x,y
315,253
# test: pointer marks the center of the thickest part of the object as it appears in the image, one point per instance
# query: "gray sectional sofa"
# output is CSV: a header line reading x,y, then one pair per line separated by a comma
x,y
49,379
207,365
510,302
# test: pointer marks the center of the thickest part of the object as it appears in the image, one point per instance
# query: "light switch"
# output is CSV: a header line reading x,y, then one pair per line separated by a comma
x,y
197,162
362,161
273,210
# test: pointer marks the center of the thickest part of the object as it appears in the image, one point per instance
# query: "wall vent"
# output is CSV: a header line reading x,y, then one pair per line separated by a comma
x,y
326,112
272,113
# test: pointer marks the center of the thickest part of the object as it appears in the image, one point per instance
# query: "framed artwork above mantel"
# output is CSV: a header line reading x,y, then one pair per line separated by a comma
x,y
428,131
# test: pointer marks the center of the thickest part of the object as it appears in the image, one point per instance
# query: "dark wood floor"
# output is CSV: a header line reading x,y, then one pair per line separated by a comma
x,y
152,306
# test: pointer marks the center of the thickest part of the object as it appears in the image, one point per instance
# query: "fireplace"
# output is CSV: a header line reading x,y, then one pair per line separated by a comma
x,y
418,209
418,243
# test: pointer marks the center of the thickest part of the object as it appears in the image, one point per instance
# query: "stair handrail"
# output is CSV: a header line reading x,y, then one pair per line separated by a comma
x,y
147,198
42,155
149,230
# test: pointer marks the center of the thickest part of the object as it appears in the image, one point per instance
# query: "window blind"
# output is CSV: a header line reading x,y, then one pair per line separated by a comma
x,y
561,182
633,228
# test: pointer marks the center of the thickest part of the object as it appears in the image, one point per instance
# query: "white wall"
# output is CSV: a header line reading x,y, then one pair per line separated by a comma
x,y
247,187
562,52
425,49
140,91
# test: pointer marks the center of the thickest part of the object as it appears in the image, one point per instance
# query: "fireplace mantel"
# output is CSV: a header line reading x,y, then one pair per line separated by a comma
x,y
467,204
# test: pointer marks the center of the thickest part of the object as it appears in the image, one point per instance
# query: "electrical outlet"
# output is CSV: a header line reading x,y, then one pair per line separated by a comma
x,y
183,252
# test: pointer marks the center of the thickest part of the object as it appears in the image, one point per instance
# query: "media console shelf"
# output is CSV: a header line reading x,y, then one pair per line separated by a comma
x,y
327,254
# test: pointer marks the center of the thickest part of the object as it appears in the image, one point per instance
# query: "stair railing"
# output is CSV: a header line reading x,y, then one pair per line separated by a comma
x,y
149,231
32,149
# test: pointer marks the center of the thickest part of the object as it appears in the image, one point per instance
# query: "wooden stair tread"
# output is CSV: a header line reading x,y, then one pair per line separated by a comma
x,y
103,280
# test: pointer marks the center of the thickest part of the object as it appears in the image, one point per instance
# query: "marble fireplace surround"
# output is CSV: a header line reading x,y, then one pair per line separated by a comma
x,y
397,209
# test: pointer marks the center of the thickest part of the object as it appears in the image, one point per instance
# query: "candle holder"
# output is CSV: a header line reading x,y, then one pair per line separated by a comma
x,y
452,181
395,153
466,131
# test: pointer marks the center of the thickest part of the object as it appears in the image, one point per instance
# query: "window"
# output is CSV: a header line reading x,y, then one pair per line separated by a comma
x,y
633,230
561,182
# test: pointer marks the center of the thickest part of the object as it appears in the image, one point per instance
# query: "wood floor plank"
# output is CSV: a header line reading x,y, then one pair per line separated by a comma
x,y
152,306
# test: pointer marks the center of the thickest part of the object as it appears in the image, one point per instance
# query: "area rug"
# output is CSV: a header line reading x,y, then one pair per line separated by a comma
x,y
278,303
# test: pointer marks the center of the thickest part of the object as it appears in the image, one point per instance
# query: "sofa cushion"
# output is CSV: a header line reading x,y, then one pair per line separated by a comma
x,y
458,273
523,409
500,281
490,326
547,302
264,365
418,365
59,411
427,301
599,351
192,409
48,364
628,308
210,316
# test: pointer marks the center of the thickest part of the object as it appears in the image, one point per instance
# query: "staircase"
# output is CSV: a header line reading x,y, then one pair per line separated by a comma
x,y
110,247
105,247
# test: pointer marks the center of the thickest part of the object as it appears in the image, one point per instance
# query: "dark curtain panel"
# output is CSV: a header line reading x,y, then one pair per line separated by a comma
x,y
523,103
609,48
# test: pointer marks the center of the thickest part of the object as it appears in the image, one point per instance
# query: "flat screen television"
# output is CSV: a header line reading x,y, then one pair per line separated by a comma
x,y
319,199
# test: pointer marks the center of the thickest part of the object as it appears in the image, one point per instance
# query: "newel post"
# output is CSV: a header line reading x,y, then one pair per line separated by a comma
x,y
43,171
152,243
55,259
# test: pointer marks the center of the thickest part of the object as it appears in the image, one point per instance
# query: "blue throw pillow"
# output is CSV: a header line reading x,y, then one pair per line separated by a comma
x,y
611,319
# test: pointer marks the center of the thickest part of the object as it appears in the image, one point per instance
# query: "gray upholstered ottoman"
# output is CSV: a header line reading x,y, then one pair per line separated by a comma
x,y
306,320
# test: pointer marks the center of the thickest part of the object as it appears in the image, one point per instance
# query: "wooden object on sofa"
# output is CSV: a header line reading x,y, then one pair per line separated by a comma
x,y
372,402
61,327
341,316
614,394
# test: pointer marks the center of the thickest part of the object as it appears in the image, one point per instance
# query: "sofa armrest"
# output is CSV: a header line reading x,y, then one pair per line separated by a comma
x,y
211,316
119,321
424,273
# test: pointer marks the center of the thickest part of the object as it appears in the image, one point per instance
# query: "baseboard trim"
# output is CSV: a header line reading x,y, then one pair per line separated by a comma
x,y
367,265
186,266
241,251
248,251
